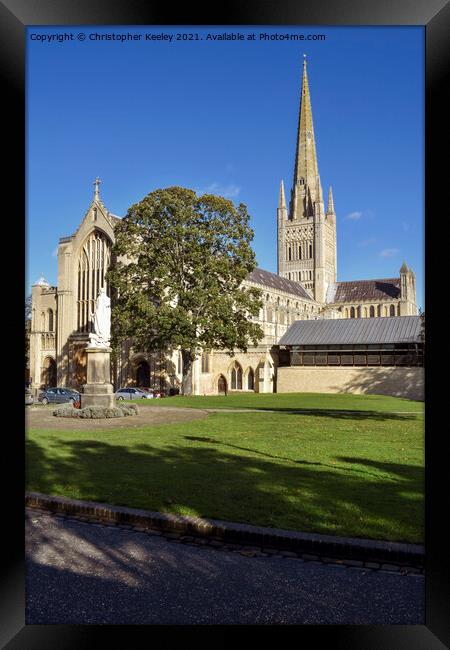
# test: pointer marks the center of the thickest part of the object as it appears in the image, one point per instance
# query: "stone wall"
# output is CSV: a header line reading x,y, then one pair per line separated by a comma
x,y
395,381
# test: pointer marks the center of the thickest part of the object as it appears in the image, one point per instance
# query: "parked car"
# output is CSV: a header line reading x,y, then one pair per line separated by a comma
x,y
156,392
59,396
150,392
28,397
132,393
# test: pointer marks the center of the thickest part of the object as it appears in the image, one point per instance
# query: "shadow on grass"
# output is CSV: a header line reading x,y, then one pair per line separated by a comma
x,y
204,480
345,414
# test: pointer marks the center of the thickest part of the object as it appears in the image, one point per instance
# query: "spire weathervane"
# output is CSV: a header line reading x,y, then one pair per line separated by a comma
x,y
96,191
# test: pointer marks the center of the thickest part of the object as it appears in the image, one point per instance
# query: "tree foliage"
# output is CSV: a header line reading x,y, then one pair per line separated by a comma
x,y
176,276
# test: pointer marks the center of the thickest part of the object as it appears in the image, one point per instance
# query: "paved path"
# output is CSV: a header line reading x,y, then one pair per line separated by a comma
x,y
85,573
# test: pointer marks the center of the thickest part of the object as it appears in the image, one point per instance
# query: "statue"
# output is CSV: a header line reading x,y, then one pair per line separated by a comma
x,y
102,321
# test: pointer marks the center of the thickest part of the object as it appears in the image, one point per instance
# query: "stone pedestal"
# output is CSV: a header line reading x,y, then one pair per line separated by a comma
x,y
98,391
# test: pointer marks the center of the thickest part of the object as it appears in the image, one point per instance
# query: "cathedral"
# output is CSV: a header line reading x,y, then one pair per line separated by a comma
x,y
305,287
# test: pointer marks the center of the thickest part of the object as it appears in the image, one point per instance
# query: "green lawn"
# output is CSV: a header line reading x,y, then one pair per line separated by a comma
x,y
352,468
291,401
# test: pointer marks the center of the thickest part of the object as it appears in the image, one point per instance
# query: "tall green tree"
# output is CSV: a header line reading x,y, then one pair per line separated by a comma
x,y
176,277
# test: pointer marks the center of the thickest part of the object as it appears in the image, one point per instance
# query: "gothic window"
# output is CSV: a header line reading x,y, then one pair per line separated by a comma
x,y
299,252
43,321
251,380
372,311
50,320
310,250
392,310
93,262
236,377
289,253
352,312
289,276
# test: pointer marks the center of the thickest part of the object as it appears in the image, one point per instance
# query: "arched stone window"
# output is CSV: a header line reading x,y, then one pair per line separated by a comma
x,y
310,250
43,321
93,262
50,320
299,252
372,311
352,312
205,361
392,310
250,379
289,253
236,376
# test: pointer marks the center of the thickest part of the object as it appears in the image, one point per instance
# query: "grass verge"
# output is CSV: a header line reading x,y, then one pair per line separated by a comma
x,y
343,473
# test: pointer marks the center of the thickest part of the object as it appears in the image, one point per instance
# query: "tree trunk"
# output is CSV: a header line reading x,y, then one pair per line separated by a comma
x,y
186,382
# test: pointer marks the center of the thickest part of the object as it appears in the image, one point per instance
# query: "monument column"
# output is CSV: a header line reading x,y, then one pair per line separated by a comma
x,y
98,391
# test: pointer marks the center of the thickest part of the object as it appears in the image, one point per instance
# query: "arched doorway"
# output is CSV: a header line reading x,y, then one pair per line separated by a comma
x,y
48,374
143,374
222,385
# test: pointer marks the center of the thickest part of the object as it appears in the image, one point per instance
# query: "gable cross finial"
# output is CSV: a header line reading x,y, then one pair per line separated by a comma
x,y
96,191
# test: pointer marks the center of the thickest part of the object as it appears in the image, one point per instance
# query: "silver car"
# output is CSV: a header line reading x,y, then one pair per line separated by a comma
x,y
132,393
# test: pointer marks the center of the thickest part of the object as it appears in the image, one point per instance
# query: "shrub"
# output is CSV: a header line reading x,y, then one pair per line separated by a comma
x,y
95,412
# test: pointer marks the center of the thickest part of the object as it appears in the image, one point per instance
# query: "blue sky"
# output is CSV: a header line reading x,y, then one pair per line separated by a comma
x,y
221,116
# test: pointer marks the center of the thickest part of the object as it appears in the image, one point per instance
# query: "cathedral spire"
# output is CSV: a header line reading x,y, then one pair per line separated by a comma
x,y
330,207
306,169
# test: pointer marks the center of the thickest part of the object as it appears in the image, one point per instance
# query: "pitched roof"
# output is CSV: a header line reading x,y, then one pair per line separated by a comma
x,y
361,290
395,329
273,281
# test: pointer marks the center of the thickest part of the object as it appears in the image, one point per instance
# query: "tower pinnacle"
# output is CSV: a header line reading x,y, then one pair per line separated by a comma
x,y
330,207
282,200
96,191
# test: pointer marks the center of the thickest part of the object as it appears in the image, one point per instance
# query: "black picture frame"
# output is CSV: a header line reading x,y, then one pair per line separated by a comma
x,y
434,15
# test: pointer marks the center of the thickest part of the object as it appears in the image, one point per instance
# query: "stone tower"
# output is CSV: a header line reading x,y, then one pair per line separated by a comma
x,y
306,233
407,303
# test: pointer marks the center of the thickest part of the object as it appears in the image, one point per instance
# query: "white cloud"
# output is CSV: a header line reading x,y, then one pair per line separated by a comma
x,y
354,216
389,252
227,191
367,242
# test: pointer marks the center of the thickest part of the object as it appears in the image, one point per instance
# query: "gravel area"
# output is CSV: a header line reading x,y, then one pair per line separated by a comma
x,y
41,417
